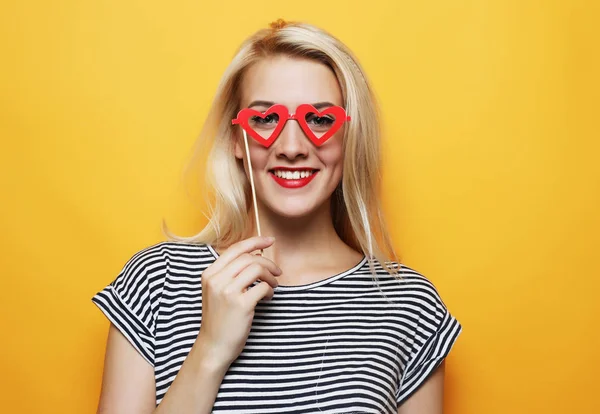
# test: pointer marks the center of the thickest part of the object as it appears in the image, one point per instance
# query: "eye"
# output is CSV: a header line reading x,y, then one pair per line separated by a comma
x,y
269,119
320,121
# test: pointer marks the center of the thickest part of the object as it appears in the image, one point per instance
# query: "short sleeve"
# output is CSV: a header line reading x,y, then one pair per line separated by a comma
x,y
127,303
436,332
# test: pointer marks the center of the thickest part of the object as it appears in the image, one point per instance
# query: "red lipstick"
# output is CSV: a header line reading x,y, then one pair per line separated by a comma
x,y
294,183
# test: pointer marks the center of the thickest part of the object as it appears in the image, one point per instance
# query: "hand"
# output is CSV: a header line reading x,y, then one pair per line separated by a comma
x,y
228,301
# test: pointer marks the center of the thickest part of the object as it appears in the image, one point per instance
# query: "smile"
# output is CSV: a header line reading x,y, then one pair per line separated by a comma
x,y
293,178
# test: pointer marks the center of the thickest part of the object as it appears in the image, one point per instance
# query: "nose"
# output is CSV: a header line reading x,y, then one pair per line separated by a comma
x,y
291,142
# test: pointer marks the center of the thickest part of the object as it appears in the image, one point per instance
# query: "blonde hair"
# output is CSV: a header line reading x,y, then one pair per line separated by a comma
x,y
355,204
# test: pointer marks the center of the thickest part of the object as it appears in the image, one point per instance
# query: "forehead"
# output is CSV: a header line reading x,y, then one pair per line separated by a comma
x,y
290,81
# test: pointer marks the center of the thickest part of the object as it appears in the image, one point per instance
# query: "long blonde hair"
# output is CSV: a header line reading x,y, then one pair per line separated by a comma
x,y
355,204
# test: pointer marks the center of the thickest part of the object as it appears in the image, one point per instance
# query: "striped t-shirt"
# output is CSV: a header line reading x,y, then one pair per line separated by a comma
x,y
340,345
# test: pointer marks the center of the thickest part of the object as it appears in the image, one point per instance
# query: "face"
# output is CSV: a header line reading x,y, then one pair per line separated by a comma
x,y
293,176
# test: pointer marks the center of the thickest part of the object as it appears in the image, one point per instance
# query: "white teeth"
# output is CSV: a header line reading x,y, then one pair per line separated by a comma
x,y
292,175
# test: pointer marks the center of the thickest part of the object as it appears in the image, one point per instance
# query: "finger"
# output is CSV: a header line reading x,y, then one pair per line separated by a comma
x,y
247,259
243,246
250,275
261,291
235,268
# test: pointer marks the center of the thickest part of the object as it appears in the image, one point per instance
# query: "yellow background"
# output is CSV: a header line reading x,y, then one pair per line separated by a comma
x,y
491,172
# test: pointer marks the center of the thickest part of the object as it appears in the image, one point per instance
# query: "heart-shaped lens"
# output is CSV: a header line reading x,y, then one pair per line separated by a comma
x,y
319,126
264,127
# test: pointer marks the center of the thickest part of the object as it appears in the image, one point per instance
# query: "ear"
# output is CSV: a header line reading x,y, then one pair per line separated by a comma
x,y
238,144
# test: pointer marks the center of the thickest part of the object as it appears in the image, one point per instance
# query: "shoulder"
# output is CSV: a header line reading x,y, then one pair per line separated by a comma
x,y
415,290
151,264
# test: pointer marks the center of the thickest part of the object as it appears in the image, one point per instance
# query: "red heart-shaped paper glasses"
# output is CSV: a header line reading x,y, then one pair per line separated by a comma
x,y
265,126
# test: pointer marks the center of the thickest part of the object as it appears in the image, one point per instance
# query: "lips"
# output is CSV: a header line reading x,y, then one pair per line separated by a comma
x,y
296,177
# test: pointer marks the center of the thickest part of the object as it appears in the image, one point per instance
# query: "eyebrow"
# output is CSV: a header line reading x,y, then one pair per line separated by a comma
x,y
317,105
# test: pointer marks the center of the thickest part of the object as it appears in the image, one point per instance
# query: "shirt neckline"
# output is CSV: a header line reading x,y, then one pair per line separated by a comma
x,y
312,285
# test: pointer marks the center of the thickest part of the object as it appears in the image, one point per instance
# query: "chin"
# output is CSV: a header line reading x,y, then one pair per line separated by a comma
x,y
293,209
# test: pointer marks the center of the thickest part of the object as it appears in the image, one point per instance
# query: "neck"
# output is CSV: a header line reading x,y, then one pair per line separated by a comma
x,y
296,239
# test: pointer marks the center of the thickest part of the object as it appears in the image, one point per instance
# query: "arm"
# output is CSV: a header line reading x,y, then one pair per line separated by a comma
x,y
128,381
428,399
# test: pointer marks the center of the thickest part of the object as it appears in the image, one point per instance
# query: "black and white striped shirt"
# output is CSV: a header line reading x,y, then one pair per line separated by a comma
x,y
336,346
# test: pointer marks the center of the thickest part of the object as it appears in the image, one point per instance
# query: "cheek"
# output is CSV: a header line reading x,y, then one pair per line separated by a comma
x,y
332,154
258,153
259,156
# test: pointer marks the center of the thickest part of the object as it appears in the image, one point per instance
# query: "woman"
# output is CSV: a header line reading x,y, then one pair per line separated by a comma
x,y
324,318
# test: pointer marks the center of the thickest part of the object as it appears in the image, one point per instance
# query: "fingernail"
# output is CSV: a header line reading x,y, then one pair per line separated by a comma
x,y
270,239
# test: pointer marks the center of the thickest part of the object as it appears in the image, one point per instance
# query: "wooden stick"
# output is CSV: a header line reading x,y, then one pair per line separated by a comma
x,y
252,186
